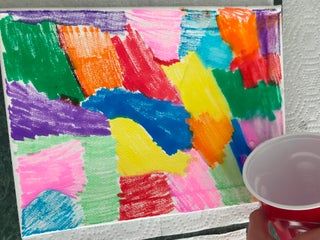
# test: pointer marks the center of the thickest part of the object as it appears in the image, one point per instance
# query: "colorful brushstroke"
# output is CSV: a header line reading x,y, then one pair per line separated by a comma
x,y
118,115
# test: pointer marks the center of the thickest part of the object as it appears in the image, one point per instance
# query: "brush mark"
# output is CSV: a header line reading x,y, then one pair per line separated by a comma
x,y
32,54
162,38
229,181
195,25
144,196
238,28
197,190
214,52
210,137
198,88
32,114
99,199
141,72
92,56
239,145
111,21
255,68
50,211
164,121
268,25
245,104
258,130
57,168
138,154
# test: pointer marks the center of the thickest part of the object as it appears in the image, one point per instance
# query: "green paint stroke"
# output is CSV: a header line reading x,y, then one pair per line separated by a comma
x,y
229,180
99,200
32,54
245,103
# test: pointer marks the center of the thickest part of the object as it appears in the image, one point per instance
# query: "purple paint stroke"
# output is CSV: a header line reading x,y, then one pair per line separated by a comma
x,y
33,114
111,21
268,26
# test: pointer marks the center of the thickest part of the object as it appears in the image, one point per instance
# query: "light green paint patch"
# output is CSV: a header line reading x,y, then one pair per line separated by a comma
x,y
229,180
99,200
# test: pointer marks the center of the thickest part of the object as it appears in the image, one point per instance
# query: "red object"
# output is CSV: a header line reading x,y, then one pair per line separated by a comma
x,y
144,196
255,68
140,70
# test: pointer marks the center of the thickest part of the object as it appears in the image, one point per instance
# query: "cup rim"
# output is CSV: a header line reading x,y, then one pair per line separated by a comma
x,y
257,150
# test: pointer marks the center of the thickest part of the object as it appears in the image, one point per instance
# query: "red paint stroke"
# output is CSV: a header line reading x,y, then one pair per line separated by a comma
x,y
166,63
255,67
144,196
141,72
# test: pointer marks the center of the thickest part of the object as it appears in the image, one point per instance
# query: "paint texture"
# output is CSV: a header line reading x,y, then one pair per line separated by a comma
x,y
32,54
260,101
93,57
239,145
138,154
198,88
144,196
197,190
195,25
255,68
164,121
141,72
210,137
229,180
162,38
113,21
268,25
50,211
99,199
33,114
238,28
258,130
57,168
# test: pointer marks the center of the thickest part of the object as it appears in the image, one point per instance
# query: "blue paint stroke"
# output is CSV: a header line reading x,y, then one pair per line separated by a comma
x,y
214,52
239,145
194,25
164,121
50,211
200,33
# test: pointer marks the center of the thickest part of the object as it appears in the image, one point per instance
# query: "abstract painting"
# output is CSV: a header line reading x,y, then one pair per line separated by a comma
x,y
130,113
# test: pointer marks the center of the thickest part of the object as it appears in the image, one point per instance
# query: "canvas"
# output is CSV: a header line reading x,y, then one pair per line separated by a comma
x,y
121,114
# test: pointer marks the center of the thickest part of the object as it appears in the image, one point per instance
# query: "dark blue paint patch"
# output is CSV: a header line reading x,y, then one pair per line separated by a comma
x,y
239,145
50,211
163,120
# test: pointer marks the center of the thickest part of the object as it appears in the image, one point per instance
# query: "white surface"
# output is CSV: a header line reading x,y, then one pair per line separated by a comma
x,y
158,226
236,235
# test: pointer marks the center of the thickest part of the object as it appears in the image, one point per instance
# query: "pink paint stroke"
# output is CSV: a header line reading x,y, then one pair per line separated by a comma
x,y
59,168
160,30
258,130
196,190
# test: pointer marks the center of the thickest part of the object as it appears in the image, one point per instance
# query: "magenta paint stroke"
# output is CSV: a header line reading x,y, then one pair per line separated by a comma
x,y
33,114
259,129
160,30
196,190
59,168
111,21
268,26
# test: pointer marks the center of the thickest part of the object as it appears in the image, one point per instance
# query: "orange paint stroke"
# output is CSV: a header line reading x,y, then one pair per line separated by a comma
x,y
238,28
93,57
211,136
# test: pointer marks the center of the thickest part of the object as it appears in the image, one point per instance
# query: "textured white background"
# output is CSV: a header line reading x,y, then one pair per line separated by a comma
x,y
301,42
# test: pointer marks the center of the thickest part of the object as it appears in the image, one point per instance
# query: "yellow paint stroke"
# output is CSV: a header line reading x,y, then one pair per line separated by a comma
x,y
210,113
210,137
198,88
138,154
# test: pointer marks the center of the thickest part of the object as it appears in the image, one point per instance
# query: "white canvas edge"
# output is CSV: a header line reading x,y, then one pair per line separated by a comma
x,y
93,230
